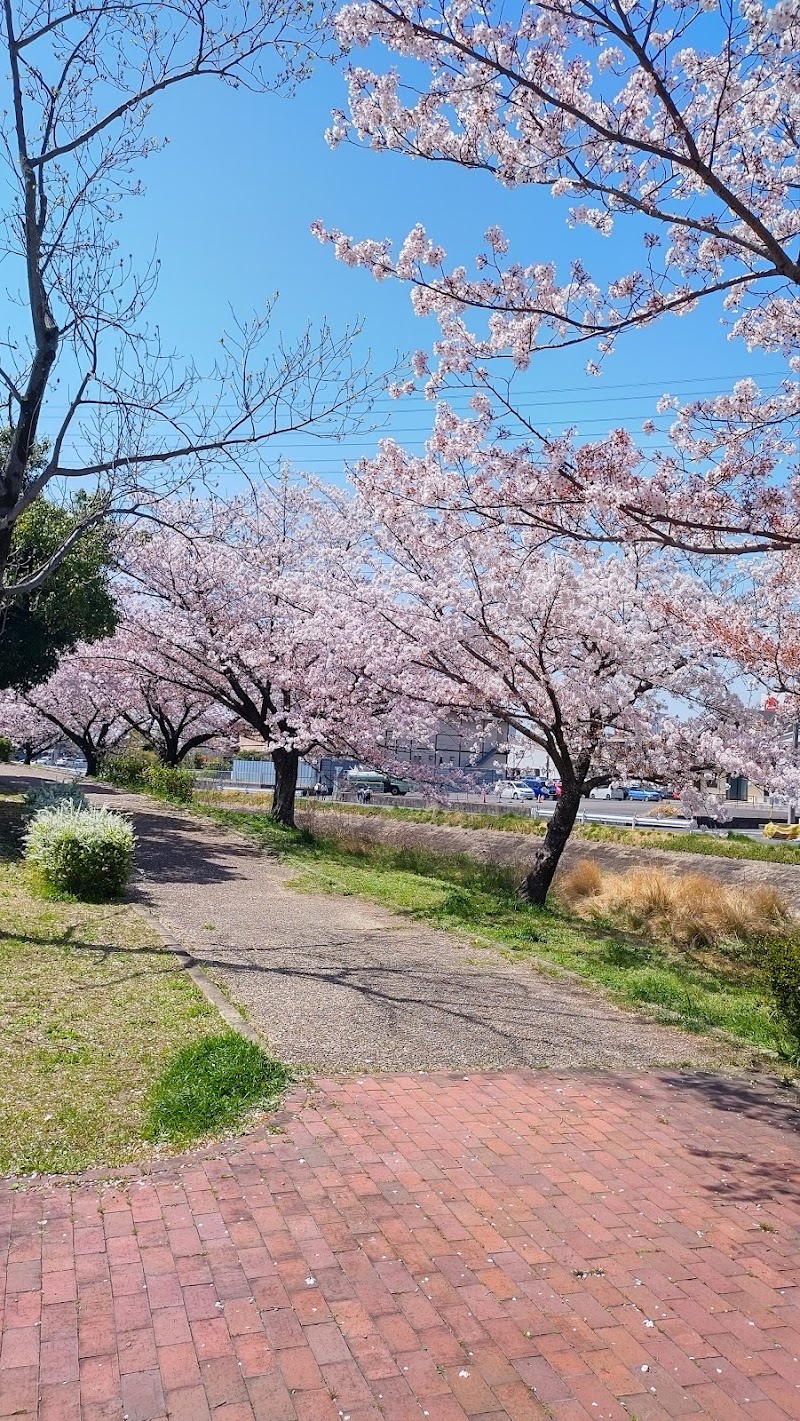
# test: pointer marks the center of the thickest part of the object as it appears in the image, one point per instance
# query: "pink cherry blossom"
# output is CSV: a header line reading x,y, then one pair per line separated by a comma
x,y
676,121
587,655
235,610
82,702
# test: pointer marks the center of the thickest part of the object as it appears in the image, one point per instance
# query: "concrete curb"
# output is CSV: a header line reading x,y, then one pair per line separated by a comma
x,y
229,1013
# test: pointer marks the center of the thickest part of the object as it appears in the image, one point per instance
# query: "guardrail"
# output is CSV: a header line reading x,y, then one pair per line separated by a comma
x,y
546,810
541,809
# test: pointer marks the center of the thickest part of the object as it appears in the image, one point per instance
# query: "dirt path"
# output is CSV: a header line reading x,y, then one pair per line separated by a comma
x,y
339,984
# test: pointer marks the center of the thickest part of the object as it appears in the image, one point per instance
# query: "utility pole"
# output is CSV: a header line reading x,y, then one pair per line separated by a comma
x,y
792,818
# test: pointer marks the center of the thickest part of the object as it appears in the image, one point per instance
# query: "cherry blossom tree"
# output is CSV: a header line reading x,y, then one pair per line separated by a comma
x,y
753,616
236,612
171,720
83,701
675,121
585,656
25,727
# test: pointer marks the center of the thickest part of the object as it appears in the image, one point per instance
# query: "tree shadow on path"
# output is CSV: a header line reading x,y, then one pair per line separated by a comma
x,y
745,1175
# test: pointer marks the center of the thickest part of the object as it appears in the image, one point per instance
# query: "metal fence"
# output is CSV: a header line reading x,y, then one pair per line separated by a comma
x,y
260,774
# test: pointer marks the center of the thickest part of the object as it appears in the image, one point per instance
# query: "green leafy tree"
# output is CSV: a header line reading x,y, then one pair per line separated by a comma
x,y
74,604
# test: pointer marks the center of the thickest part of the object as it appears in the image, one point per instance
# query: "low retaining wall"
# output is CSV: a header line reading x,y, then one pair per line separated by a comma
x,y
501,847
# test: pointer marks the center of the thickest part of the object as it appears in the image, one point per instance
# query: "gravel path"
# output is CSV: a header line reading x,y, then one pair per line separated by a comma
x,y
339,984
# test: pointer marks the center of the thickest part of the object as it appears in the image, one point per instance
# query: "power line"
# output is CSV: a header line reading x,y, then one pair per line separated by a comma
x,y
529,400
355,445
309,464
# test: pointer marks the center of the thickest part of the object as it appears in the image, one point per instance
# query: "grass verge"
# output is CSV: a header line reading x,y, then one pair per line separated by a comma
x,y
209,1085
94,1015
696,988
732,846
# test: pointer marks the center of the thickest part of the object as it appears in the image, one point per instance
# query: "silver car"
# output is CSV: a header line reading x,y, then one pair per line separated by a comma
x,y
515,791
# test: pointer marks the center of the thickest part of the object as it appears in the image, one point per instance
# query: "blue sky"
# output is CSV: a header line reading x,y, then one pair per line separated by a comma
x,y
228,206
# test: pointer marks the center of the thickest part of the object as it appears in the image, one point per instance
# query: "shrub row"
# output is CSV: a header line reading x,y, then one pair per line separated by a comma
x,y
124,769
137,771
169,782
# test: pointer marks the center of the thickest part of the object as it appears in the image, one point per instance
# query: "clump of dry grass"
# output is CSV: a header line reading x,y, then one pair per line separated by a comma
x,y
691,910
583,881
665,809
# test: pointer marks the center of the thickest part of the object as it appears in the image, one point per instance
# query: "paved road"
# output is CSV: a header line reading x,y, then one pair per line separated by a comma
x,y
746,817
516,1247
338,983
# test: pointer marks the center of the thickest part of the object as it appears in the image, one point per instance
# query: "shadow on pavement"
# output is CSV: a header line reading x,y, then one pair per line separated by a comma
x,y
740,1177
188,854
768,1101
506,1009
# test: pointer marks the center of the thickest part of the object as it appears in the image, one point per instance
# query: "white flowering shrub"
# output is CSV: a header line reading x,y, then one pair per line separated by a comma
x,y
48,796
88,852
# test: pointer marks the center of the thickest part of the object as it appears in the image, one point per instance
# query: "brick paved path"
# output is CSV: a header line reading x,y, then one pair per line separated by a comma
x,y
526,1245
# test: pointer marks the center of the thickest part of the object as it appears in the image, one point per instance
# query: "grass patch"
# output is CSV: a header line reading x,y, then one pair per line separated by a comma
x,y
691,986
209,1086
232,798
92,1012
732,845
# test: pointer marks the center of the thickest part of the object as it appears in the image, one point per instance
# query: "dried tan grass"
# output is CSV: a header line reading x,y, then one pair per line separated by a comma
x,y
665,809
583,881
691,910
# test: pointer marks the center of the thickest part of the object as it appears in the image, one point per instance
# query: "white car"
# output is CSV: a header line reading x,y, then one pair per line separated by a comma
x,y
608,792
515,791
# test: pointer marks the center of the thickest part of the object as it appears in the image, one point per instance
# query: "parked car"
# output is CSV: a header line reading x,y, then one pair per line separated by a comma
x,y
608,792
377,782
542,789
644,792
515,789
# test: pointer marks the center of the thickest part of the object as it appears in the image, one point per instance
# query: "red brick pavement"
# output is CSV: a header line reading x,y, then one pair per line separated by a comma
x,y
514,1246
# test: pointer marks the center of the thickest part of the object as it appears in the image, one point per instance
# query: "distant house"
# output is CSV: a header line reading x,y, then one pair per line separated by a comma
x,y
481,751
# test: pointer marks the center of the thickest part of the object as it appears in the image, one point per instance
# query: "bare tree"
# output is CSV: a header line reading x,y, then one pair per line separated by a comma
x,y
83,78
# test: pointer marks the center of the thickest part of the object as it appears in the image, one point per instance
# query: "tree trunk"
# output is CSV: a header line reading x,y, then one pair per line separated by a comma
x,y
286,764
194,743
91,757
28,748
168,751
538,880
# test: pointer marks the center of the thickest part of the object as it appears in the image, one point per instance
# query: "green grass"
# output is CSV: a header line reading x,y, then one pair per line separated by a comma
x,y
697,989
94,1013
732,846
209,1085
